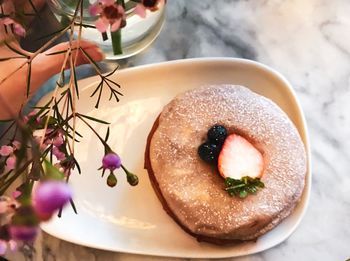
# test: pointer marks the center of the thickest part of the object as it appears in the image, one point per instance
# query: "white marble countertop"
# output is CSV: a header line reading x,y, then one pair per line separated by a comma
x,y
308,42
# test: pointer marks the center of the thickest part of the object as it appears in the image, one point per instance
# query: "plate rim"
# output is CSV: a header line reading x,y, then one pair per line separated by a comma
x,y
287,86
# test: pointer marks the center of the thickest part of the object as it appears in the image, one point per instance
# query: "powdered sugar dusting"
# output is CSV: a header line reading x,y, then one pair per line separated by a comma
x,y
194,190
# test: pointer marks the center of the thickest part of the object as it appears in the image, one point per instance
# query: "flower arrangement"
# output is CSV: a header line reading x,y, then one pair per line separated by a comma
x,y
37,151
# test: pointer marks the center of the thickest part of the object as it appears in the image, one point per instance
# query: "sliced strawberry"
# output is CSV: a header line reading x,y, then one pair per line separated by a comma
x,y
239,158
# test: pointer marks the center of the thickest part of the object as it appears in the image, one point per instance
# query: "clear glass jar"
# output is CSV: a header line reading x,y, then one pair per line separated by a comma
x,y
137,35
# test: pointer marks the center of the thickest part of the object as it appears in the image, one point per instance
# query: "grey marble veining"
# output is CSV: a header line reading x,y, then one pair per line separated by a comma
x,y
308,42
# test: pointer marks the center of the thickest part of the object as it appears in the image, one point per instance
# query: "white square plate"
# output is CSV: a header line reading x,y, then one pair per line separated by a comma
x,y
131,219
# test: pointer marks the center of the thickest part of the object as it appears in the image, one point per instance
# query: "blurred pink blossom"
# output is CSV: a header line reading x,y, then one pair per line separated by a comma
x,y
11,162
6,150
50,196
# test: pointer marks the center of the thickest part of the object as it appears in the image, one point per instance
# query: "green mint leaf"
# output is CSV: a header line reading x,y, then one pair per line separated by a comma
x,y
243,187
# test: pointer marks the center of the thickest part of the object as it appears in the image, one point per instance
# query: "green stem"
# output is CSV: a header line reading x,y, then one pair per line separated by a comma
x,y
117,42
121,2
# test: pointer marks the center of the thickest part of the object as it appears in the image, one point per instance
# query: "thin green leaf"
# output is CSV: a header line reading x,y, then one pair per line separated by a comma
x,y
53,33
89,58
75,81
85,25
15,50
29,14
4,121
58,52
9,58
92,118
112,72
107,135
29,75
34,8
97,88
61,81
99,96
113,82
77,164
73,206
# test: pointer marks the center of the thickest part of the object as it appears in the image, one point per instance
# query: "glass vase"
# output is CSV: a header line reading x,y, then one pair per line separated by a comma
x,y
137,35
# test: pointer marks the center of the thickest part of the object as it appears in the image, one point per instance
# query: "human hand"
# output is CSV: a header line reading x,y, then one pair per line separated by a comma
x,y
44,66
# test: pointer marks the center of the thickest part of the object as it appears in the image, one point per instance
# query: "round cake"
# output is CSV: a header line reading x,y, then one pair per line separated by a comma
x,y
193,192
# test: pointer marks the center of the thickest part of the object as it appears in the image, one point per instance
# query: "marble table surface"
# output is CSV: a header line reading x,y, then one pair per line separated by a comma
x,y
308,42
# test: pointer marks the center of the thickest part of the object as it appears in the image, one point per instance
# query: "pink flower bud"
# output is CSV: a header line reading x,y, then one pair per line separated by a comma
x,y
111,161
24,233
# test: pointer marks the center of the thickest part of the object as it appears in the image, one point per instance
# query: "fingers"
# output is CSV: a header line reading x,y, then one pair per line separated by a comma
x,y
43,67
91,49
52,60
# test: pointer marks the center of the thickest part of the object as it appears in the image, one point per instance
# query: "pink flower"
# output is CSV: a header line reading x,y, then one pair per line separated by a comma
x,y
110,15
111,161
151,5
6,150
50,196
11,162
18,29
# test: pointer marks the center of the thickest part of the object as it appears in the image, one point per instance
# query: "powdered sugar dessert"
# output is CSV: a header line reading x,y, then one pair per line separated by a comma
x,y
227,163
